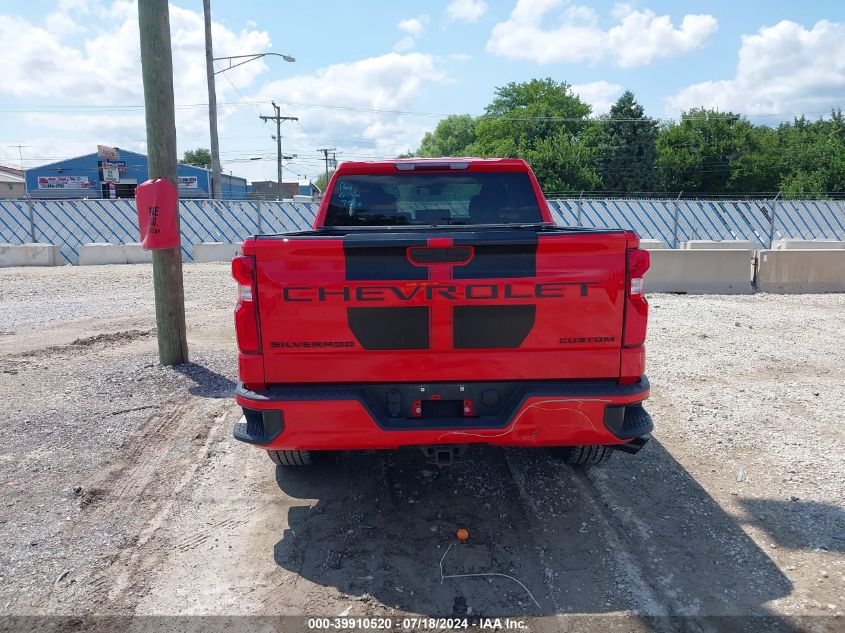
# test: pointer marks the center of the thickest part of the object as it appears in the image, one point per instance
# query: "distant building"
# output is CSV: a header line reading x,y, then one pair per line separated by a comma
x,y
12,183
269,190
114,173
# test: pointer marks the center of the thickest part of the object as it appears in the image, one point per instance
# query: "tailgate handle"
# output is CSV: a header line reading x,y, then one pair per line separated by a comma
x,y
425,255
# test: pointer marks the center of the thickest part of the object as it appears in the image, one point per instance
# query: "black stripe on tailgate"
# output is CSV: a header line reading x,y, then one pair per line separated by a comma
x,y
381,259
390,328
506,255
491,327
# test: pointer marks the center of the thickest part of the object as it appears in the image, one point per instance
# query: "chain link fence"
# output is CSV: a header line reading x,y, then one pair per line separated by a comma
x,y
72,223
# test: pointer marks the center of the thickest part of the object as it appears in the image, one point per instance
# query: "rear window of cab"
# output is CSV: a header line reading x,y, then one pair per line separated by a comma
x,y
433,199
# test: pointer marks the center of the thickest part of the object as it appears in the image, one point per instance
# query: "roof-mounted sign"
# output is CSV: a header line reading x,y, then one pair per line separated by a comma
x,y
108,153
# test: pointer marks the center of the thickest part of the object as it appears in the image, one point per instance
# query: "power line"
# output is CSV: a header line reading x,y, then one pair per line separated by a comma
x,y
248,103
278,118
326,151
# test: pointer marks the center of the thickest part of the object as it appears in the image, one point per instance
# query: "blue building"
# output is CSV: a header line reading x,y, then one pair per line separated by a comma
x,y
114,173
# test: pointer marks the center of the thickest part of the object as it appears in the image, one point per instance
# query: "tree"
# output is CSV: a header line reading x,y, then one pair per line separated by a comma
x,y
541,121
760,165
695,154
323,180
814,154
625,151
453,136
625,144
200,157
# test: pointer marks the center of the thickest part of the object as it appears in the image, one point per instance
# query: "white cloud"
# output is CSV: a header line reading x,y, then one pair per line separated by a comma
x,y
387,82
101,65
599,94
639,38
465,10
37,64
413,26
782,69
405,44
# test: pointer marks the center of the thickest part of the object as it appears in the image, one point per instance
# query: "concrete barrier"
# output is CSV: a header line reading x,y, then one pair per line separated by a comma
x,y
739,245
135,254
806,245
34,254
98,253
653,245
215,252
700,271
807,271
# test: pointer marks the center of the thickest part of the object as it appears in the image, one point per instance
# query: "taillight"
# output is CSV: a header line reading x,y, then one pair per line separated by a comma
x,y
636,313
246,313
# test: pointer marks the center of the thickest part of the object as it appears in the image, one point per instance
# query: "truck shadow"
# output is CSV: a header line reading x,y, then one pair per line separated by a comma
x,y
798,524
639,534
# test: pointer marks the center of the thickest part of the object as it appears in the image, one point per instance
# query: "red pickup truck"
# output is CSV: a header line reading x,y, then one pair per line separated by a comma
x,y
436,304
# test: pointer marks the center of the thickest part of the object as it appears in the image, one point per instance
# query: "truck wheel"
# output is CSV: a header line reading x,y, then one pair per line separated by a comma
x,y
290,458
583,455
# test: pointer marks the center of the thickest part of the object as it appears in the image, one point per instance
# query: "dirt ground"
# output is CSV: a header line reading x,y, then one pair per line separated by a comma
x,y
123,493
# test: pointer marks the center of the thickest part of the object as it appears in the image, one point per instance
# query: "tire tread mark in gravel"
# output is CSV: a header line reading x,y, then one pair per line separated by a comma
x,y
139,467
149,458
196,539
594,484
137,559
624,561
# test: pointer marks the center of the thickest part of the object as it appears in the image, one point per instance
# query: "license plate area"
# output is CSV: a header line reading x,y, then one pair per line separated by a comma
x,y
441,409
462,405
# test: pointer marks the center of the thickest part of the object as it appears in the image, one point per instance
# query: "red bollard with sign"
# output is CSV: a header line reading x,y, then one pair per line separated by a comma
x,y
158,208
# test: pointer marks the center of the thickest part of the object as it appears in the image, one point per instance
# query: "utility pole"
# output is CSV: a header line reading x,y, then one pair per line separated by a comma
x,y
157,71
326,151
212,92
212,104
278,118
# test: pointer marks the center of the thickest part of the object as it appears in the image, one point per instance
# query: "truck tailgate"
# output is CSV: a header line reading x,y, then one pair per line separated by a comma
x,y
462,305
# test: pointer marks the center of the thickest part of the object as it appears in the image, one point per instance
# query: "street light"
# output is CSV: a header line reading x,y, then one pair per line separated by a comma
x,y
247,59
212,92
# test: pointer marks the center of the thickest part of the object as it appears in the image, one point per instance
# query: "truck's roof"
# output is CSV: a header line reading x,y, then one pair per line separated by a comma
x,y
473,164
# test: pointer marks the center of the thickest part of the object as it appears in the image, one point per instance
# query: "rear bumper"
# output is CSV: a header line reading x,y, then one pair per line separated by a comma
x,y
351,417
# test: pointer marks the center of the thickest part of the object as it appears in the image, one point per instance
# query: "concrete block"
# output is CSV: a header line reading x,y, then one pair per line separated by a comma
x,y
651,245
739,245
35,254
135,254
215,252
806,245
99,253
806,271
695,271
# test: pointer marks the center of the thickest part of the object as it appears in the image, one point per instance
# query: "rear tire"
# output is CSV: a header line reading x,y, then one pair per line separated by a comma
x,y
583,455
290,458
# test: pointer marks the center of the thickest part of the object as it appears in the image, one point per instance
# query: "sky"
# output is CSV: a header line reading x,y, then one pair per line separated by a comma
x,y
371,77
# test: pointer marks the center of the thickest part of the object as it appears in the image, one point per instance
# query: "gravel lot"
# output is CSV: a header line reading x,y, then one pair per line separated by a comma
x,y
123,492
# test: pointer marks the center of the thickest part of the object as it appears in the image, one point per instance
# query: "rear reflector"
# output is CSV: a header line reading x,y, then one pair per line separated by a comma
x,y
637,286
